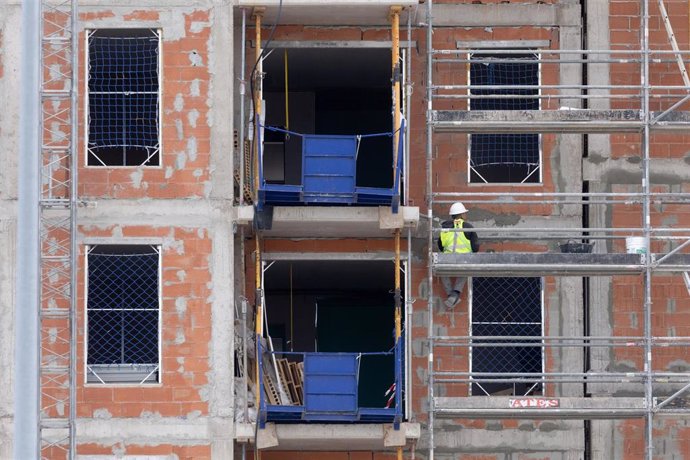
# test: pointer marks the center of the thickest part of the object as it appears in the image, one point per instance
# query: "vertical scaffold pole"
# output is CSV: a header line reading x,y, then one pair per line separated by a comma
x,y
397,73
644,77
57,228
430,215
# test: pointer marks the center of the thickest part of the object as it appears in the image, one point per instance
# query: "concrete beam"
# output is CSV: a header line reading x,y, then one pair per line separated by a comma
x,y
331,437
338,13
342,256
553,439
339,222
338,44
629,170
144,430
506,15
185,213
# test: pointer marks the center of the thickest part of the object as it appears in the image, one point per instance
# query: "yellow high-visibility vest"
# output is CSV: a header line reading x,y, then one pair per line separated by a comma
x,y
455,242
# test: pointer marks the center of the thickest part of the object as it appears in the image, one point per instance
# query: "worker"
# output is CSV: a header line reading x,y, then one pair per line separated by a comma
x,y
456,243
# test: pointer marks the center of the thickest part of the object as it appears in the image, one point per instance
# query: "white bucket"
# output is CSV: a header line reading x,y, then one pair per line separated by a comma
x,y
635,245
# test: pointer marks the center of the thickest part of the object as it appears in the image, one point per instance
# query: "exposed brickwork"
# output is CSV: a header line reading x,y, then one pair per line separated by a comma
x,y
199,452
670,305
185,173
186,332
186,147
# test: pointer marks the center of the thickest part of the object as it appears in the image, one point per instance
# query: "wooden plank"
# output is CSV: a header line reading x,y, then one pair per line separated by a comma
x,y
284,375
294,370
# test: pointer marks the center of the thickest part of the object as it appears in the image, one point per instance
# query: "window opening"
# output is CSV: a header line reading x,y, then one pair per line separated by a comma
x,y
510,307
123,314
331,91
336,307
123,97
501,157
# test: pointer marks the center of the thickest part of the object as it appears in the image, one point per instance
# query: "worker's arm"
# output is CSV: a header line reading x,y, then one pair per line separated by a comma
x,y
472,236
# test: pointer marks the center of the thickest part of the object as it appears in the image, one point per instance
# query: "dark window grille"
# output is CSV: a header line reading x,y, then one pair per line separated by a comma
x,y
123,98
123,314
507,307
500,157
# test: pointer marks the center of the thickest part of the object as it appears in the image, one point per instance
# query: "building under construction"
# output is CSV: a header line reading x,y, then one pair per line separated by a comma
x,y
220,225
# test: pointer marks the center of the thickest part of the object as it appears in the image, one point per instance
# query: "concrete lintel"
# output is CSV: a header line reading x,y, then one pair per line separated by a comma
x,y
504,15
339,222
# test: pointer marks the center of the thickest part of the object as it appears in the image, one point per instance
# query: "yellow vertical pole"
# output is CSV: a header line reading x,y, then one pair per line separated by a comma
x,y
257,261
258,95
397,73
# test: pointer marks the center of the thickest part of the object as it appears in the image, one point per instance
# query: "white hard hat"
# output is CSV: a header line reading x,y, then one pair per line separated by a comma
x,y
457,208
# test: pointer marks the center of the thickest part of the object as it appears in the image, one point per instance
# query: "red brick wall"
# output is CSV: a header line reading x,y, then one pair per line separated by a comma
x,y
186,332
670,302
200,452
186,147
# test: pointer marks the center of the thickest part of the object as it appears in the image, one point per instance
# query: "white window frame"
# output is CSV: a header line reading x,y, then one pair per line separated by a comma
x,y
540,168
87,34
159,368
540,379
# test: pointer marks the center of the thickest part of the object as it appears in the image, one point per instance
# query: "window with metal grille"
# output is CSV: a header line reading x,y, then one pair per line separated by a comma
x,y
123,97
503,157
123,314
505,313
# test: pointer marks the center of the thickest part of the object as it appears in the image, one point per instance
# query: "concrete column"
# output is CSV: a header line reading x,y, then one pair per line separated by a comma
x,y
8,236
10,17
568,178
222,86
602,431
222,402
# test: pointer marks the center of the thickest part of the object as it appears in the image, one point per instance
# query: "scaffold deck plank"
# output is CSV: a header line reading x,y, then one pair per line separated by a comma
x,y
538,407
556,121
544,264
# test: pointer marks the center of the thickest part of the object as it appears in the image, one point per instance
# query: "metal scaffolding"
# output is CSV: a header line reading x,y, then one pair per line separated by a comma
x,y
644,109
57,228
